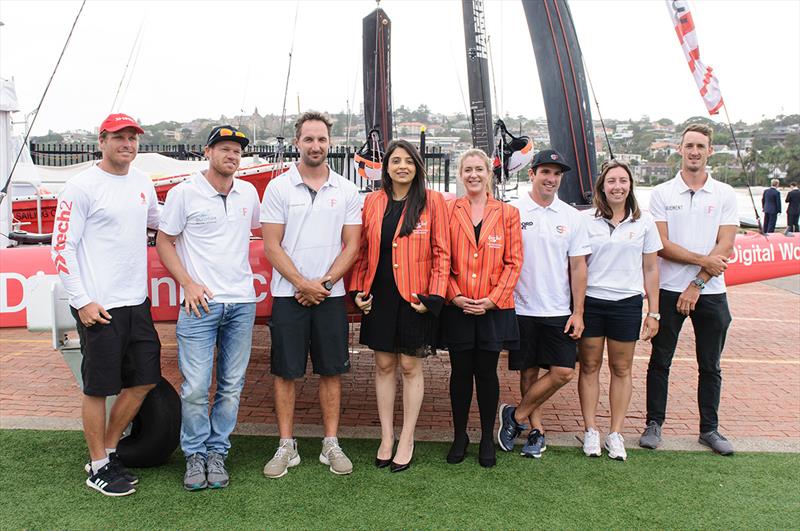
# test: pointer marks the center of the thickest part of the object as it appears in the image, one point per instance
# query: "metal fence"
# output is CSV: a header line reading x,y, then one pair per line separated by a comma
x,y
340,158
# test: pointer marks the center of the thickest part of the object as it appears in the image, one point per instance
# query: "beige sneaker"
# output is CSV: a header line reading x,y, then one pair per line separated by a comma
x,y
285,457
333,456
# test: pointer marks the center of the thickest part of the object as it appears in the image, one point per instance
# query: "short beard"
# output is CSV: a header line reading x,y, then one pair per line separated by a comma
x,y
221,170
308,161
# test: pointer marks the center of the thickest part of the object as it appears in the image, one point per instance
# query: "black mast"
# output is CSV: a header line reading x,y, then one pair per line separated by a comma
x,y
478,73
566,99
376,31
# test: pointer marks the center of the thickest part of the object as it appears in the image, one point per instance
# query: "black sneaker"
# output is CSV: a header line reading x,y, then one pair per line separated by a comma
x,y
509,428
114,458
110,482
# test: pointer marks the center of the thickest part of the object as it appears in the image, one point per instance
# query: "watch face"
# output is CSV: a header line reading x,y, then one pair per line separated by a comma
x,y
327,285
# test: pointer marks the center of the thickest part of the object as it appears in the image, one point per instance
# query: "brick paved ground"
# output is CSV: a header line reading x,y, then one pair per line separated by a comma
x,y
761,371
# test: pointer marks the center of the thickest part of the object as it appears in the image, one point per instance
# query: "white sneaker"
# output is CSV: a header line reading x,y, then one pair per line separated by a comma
x,y
591,443
615,445
285,458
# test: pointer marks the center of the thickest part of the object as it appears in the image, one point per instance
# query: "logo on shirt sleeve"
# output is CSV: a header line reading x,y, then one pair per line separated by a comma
x,y
62,227
143,198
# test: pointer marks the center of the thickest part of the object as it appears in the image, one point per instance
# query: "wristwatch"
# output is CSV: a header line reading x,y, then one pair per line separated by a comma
x,y
700,283
328,285
654,315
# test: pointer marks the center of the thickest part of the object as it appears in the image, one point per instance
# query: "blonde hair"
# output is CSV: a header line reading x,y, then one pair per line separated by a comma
x,y
475,152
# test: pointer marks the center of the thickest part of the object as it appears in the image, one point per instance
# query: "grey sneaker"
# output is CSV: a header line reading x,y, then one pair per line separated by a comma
x,y
284,458
651,436
217,476
715,441
333,456
195,477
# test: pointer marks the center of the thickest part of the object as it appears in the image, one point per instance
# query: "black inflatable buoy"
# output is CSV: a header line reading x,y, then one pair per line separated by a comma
x,y
156,429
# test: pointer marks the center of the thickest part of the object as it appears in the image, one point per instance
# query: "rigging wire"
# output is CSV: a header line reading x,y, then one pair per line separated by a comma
x,y
3,192
744,169
134,49
460,85
289,69
130,77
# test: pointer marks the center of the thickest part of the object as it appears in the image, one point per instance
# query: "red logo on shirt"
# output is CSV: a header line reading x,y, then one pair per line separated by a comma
x,y
62,227
144,199
244,212
332,202
709,209
561,229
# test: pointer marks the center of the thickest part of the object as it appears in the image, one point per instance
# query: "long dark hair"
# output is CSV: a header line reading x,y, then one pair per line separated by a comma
x,y
415,202
600,201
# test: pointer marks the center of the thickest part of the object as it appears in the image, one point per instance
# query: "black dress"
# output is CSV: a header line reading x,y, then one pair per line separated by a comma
x,y
493,331
393,325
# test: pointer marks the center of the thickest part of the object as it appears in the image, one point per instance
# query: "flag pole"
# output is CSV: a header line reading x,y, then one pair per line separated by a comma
x,y
744,168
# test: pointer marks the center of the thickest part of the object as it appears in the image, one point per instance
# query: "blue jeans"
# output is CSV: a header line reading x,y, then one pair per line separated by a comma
x,y
229,328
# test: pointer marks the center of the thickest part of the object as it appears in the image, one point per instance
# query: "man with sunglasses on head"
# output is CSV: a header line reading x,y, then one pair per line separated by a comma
x,y
100,253
204,242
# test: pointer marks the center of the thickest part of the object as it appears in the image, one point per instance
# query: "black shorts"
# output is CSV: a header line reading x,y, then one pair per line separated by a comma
x,y
295,329
618,320
542,343
124,353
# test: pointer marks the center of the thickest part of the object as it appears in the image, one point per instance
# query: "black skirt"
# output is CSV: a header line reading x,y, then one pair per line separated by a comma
x,y
393,325
494,331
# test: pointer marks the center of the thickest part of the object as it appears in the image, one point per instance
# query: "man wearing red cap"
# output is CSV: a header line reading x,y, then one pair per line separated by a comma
x,y
100,252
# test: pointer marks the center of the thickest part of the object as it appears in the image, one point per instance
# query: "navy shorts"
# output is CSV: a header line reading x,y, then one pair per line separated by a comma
x,y
618,320
123,353
296,329
543,343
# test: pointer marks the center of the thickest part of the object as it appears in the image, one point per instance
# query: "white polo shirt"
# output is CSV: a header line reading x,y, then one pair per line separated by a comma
x,y
213,236
693,221
615,265
312,228
550,235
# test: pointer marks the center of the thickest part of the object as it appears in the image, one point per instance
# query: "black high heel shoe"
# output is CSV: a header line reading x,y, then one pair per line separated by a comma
x,y
397,467
487,455
383,463
458,450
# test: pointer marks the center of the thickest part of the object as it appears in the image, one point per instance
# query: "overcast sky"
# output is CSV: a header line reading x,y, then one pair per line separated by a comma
x,y
207,58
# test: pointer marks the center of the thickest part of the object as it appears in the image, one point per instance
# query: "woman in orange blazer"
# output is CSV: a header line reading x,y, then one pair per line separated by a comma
x,y
399,280
486,259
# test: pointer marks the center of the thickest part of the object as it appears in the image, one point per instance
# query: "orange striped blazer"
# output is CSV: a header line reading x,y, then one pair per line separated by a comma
x,y
421,260
491,266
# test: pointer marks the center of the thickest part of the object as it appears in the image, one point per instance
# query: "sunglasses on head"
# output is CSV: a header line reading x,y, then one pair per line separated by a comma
x,y
229,132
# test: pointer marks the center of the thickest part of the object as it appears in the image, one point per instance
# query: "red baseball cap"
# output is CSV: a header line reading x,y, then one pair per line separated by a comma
x,y
115,122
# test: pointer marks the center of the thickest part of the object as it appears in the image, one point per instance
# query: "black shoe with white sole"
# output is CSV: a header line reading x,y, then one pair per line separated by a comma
x,y
110,482
117,462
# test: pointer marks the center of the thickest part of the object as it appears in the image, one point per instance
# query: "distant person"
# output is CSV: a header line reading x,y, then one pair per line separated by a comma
x,y
793,209
697,217
623,266
204,242
549,300
400,279
771,206
100,252
311,223
479,322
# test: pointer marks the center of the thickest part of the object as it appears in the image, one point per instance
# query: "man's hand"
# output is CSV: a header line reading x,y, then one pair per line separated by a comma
x,y
649,328
196,296
688,299
312,292
714,264
418,306
93,313
575,322
365,305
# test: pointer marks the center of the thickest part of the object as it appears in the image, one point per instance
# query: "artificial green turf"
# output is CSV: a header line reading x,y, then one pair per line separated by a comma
x,y
41,486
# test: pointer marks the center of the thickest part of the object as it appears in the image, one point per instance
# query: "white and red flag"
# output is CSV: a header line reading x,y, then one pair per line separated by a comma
x,y
703,75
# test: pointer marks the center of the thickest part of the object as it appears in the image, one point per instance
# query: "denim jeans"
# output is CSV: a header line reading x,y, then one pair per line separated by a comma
x,y
229,328
710,319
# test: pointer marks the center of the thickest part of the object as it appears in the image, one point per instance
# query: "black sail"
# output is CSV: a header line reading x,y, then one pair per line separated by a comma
x,y
566,99
377,74
478,74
